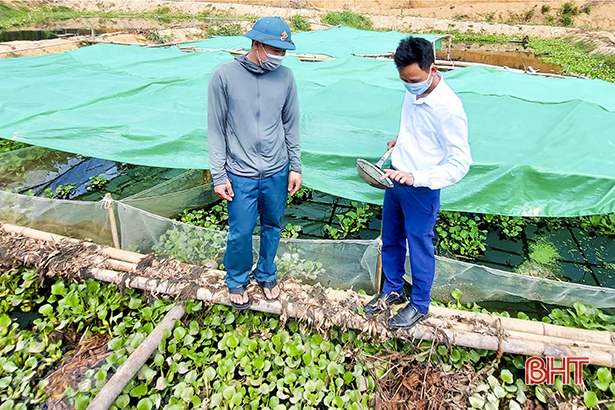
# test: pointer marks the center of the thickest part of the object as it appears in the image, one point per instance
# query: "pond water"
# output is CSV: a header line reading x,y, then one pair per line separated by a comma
x,y
33,35
49,170
582,257
124,180
521,60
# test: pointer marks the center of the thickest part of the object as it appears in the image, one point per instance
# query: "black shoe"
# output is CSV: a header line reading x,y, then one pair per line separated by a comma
x,y
407,317
383,300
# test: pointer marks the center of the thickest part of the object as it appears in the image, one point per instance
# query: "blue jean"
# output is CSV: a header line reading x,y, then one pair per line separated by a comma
x,y
266,197
409,216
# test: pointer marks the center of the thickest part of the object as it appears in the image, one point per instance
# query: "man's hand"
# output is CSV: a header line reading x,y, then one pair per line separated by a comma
x,y
294,182
225,191
391,143
405,178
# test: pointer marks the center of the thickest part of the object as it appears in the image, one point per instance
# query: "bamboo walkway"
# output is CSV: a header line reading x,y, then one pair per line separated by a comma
x,y
320,308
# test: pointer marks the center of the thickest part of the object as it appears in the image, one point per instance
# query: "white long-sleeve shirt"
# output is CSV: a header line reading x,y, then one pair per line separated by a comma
x,y
432,143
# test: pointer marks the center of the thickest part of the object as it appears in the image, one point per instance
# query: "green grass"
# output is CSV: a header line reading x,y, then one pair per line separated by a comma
x,y
224,29
8,15
348,18
8,145
575,58
480,39
300,23
21,17
567,13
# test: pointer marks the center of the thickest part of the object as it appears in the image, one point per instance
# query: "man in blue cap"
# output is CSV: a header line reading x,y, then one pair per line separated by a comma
x,y
254,153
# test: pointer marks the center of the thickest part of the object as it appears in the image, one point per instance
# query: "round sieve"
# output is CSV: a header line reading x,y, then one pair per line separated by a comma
x,y
371,173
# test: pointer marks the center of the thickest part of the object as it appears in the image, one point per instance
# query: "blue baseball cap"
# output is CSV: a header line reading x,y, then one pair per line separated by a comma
x,y
272,31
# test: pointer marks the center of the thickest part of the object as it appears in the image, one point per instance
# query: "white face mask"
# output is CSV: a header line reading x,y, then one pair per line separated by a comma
x,y
271,63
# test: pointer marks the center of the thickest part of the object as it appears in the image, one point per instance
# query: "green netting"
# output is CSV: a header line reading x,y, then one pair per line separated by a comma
x,y
541,146
169,198
75,219
482,284
335,42
33,168
341,264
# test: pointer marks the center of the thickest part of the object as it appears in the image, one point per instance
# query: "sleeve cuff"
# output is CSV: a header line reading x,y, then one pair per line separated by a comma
x,y
220,180
420,178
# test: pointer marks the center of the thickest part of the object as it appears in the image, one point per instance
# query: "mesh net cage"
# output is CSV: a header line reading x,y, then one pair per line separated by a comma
x,y
33,168
169,198
339,264
75,219
144,225
483,284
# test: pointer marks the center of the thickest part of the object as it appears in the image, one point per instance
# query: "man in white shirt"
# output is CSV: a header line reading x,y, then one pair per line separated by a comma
x,y
431,152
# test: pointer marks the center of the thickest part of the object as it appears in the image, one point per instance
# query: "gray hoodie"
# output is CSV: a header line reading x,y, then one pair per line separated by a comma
x,y
253,120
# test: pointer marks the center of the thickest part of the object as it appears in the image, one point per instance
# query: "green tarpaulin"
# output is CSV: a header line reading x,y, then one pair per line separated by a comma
x,y
541,146
334,42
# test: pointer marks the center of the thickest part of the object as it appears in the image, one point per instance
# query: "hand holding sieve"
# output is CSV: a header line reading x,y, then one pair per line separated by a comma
x,y
371,173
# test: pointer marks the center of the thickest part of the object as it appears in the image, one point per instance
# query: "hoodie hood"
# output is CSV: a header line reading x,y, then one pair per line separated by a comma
x,y
250,66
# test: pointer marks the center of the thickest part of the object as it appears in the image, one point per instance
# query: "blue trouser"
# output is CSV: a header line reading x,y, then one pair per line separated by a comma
x,y
409,216
266,196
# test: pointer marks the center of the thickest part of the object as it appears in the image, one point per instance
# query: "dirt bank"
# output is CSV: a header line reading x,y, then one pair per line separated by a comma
x,y
592,14
505,18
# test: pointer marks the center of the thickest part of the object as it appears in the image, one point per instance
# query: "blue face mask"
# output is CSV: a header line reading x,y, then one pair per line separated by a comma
x,y
418,88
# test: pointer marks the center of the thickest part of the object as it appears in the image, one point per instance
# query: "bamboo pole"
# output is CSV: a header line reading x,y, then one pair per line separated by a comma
x,y
107,203
107,395
475,322
470,329
441,318
468,320
509,343
528,326
119,254
379,270
118,265
444,322
55,44
515,346
511,324
125,261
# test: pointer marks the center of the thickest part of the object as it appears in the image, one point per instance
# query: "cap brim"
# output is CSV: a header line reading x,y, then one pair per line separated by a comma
x,y
261,38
